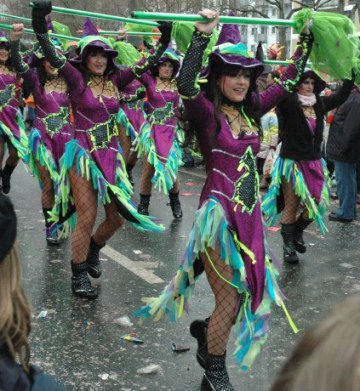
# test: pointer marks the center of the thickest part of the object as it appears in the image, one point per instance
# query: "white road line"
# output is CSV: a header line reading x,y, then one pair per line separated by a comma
x,y
130,265
192,173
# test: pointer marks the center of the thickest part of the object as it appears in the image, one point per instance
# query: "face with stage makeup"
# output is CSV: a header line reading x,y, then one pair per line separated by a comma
x,y
235,83
97,61
4,53
306,87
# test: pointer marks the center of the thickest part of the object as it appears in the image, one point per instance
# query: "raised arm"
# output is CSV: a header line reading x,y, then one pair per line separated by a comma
x,y
288,81
39,11
17,61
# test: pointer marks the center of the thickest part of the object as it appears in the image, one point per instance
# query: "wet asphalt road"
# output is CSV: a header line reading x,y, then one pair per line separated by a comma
x,y
78,340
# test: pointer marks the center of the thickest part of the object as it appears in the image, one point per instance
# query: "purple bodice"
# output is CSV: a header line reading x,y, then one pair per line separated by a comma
x,y
9,104
95,117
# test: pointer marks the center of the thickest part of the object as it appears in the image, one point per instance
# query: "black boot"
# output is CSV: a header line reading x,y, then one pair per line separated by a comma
x,y
92,260
300,225
198,329
143,207
175,205
288,234
51,234
6,175
215,377
81,285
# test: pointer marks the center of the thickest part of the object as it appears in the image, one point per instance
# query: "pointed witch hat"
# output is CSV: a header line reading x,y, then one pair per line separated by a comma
x,y
91,40
231,50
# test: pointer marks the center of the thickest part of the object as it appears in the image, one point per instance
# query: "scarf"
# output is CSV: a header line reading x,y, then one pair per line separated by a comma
x,y
307,100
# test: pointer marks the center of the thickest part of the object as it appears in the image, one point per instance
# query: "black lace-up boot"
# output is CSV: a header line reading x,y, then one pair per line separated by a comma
x,y
288,234
6,175
175,205
198,329
81,285
215,377
93,260
143,207
300,226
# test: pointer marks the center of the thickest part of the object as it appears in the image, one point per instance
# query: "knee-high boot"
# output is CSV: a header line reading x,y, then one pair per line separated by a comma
x,y
215,377
81,285
299,242
6,175
93,259
288,234
143,207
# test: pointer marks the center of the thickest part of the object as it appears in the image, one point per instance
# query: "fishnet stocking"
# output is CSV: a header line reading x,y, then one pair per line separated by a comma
x,y
226,301
107,228
146,175
13,158
125,142
86,207
292,202
47,193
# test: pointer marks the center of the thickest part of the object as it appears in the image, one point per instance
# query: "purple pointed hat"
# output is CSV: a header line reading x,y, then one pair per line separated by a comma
x,y
170,55
231,50
92,40
49,24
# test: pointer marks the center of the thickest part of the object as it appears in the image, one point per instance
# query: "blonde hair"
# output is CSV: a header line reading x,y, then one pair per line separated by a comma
x,y
15,309
327,357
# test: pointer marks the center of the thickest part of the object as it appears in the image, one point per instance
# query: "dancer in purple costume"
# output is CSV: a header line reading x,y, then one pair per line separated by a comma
x,y
12,127
92,162
51,127
131,115
300,182
158,141
228,237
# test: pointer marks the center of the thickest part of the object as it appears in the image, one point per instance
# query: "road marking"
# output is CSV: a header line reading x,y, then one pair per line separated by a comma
x,y
192,173
130,265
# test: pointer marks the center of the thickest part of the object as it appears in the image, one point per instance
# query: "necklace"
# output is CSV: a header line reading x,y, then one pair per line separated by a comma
x,y
55,84
165,84
101,86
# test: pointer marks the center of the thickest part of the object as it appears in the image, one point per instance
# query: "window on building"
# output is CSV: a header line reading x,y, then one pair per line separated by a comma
x,y
273,30
254,31
273,12
263,30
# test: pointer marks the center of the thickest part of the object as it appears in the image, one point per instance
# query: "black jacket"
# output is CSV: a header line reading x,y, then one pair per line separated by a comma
x,y
344,134
298,142
14,378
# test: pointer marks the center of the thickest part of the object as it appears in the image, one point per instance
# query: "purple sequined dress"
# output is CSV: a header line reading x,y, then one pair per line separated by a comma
x,y
95,151
51,128
229,217
11,123
159,134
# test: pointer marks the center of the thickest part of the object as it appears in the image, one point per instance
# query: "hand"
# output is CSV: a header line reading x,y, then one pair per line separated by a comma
x,y
165,29
16,32
41,8
306,29
207,27
122,35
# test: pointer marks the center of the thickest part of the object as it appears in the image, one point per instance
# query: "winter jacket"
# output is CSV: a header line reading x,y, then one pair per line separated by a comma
x,y
344,134
298,142
14,378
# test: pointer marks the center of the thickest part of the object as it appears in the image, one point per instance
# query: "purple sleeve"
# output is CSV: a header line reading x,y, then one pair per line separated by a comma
x,y
146,79
74,77
201,114
121,78
277,92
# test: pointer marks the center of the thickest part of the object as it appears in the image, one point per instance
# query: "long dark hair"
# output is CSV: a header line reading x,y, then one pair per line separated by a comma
x,y
251,102
8,62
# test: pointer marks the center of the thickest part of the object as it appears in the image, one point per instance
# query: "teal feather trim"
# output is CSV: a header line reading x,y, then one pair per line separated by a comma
x,y
20,144
165,174
39,153
76,156
211,229
287,168
123,120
